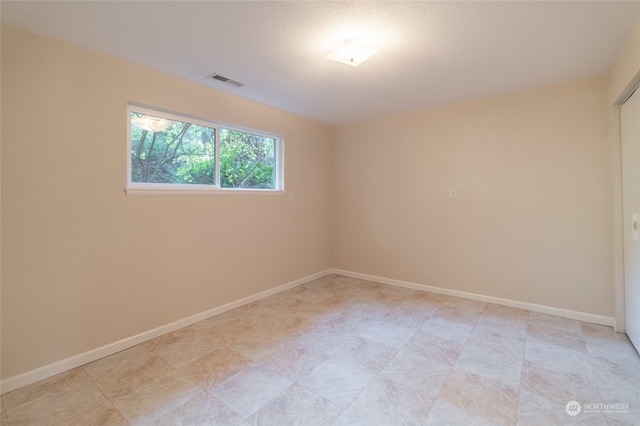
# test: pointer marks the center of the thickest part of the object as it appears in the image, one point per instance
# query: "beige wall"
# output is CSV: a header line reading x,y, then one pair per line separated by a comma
x,y
83,264
533,218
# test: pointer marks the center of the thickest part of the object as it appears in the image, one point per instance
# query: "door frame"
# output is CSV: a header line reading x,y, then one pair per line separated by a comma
x,y
618,225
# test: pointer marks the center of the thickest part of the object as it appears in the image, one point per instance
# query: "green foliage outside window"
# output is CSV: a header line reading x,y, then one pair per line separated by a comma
x,y
246,160
176,152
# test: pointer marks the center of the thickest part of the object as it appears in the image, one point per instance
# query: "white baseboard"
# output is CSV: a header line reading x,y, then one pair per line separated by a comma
x,y
566,313
15,382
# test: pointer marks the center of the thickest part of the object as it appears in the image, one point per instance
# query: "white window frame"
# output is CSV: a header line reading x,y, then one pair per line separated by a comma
x,y
148,188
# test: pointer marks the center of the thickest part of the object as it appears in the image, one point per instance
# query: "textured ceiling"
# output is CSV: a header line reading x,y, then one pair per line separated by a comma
x,y
432,53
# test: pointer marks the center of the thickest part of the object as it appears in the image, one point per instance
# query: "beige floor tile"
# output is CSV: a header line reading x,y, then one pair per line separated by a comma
x,y
403,292
42,388
418,370
123,372
296,406
336,302
189,346
386,402
420,304
285,327
493,355
554,330
498,367
317,315
559,386
313,292
215,367
461,304
368,354
264,316
447,329
427,296
457,315
616,350
256,347
249,390
625,418
286,303
600,334
493,341
57,402
156,398
204,409
389,333
350,284
535,410
350,323
504,320
371,310
325,339
337,381
555,322
445,414
227,332
556,358
481,396
213,321
436,347
413,318
176,337
500,311
350,418
3,414
105,414
292,360
390,298
621,393
563,338
118,360
242,311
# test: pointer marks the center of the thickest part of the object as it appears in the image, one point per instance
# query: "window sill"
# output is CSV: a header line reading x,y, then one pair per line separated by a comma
x,y
147,191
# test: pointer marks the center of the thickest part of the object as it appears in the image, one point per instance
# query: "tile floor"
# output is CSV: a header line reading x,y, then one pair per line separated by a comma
x,y
341,351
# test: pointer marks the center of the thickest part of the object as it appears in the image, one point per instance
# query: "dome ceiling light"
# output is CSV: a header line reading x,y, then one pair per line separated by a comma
x,y
352,52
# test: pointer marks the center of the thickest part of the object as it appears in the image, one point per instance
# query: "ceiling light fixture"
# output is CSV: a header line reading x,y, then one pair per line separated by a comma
x,y
352,52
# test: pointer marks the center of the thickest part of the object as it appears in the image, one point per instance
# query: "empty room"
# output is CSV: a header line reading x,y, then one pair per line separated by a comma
x,y
319,213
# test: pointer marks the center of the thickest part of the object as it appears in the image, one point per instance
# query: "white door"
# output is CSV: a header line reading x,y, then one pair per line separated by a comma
x,y
630,132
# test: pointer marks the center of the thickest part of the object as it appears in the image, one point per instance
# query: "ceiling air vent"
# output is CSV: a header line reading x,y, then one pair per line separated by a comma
x,y
226,80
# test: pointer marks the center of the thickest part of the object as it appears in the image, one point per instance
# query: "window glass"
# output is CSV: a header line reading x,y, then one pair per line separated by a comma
x,y
171,151
247,160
